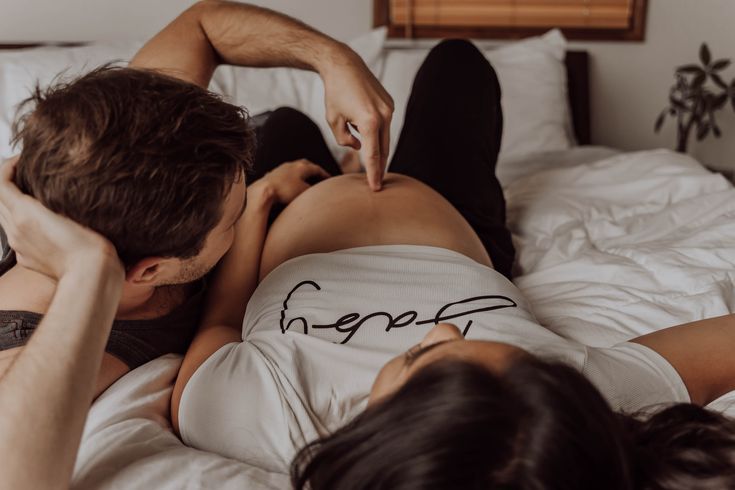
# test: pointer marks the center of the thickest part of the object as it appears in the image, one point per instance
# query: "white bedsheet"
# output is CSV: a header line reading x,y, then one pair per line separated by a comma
x,y
608,250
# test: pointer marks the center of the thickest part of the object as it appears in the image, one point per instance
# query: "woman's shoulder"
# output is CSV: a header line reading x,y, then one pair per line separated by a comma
x,y
226,404
633,377
260,400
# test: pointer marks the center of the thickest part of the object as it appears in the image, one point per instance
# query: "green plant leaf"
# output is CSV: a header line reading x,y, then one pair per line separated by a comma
x,y
708,100
698,112
713,123
702,131
704,54
677,104
693,69
718,80
660,121
699,80
720,101
720,65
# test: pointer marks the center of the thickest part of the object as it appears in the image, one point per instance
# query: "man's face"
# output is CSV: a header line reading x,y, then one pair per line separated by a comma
x,y
218,241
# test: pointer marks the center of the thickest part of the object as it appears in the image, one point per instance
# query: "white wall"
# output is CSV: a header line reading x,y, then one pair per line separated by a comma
x,y
630,81
104,20
84,20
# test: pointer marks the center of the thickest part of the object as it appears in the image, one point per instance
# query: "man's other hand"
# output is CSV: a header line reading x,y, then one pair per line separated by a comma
x,y
44,241
287,181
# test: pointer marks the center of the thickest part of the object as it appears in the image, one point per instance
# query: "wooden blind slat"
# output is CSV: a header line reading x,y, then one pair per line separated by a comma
x,y
513,13
514,3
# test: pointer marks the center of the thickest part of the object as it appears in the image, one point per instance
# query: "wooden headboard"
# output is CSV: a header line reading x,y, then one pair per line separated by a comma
x,y
577,64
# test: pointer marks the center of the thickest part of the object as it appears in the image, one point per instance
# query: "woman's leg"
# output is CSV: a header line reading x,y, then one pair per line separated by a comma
x,y
289,135
451,138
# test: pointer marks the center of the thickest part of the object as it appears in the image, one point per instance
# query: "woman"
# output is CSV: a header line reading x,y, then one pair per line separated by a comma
x,y
392,313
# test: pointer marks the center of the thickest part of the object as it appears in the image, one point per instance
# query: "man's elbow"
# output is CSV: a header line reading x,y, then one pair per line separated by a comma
x,y
201,7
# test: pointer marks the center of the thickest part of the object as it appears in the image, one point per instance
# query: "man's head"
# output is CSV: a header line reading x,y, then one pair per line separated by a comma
x,y
153,163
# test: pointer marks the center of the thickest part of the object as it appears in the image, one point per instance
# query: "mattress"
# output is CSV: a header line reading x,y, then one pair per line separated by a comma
x,y
610,246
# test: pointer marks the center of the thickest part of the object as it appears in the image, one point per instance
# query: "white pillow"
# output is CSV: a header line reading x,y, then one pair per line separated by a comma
x,y
533,82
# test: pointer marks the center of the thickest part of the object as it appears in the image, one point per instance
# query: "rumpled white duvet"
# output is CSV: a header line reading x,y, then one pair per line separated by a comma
x,y
609,248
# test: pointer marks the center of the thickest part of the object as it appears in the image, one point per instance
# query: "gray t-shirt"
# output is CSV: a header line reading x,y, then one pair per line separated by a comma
x,y
319,327
134,342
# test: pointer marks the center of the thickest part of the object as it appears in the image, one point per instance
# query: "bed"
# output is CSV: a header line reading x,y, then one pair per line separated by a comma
x,y
611,245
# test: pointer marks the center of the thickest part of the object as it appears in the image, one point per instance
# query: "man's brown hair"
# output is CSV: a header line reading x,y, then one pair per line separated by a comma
x,y
142,158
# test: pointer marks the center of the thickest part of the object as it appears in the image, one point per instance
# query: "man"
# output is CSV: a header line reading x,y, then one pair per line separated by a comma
x,y
149,159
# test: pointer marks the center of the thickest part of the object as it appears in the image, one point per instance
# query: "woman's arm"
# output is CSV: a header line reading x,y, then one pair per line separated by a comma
x,y
233,283
702,352
213,32
236,276
46,392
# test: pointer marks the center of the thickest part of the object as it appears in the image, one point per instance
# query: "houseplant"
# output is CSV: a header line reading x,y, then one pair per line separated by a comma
x,y
700,91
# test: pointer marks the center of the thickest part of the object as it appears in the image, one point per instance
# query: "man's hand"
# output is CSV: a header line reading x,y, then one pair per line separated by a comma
x,y
212,32
354,96
287,181
45,241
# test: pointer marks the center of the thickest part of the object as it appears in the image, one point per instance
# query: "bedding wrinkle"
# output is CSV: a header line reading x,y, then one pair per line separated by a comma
x,y
660,228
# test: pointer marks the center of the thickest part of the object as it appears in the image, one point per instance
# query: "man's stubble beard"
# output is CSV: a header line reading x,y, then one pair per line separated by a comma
x,y
190,272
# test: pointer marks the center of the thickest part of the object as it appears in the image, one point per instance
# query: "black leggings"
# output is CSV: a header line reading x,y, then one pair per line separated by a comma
x,y
450,141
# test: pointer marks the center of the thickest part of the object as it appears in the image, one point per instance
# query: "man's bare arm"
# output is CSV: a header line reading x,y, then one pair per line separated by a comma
x,y
702,352
213,32
47,390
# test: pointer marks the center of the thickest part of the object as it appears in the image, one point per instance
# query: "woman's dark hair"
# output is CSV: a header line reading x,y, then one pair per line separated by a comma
x,y
541,425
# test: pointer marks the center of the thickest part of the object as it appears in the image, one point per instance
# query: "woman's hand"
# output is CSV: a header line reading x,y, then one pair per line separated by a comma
x,y
287,181
44,241
353,95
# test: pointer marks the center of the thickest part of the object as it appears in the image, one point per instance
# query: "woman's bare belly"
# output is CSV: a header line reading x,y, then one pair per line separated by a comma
x,y
342,212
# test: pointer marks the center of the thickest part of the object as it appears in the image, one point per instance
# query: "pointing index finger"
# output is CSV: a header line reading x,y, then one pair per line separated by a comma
x,y
384,145
372,155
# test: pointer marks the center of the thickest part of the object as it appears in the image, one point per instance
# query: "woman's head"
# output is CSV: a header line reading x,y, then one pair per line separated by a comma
x,y
444,341
458,424
453,414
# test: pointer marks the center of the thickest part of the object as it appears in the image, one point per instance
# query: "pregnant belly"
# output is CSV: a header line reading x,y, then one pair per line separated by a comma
x,y
342,212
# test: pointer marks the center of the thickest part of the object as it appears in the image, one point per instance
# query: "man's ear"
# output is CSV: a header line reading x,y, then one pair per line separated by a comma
x,y
151,271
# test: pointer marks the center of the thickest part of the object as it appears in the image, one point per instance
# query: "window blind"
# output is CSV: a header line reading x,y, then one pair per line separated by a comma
x,y
597,14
